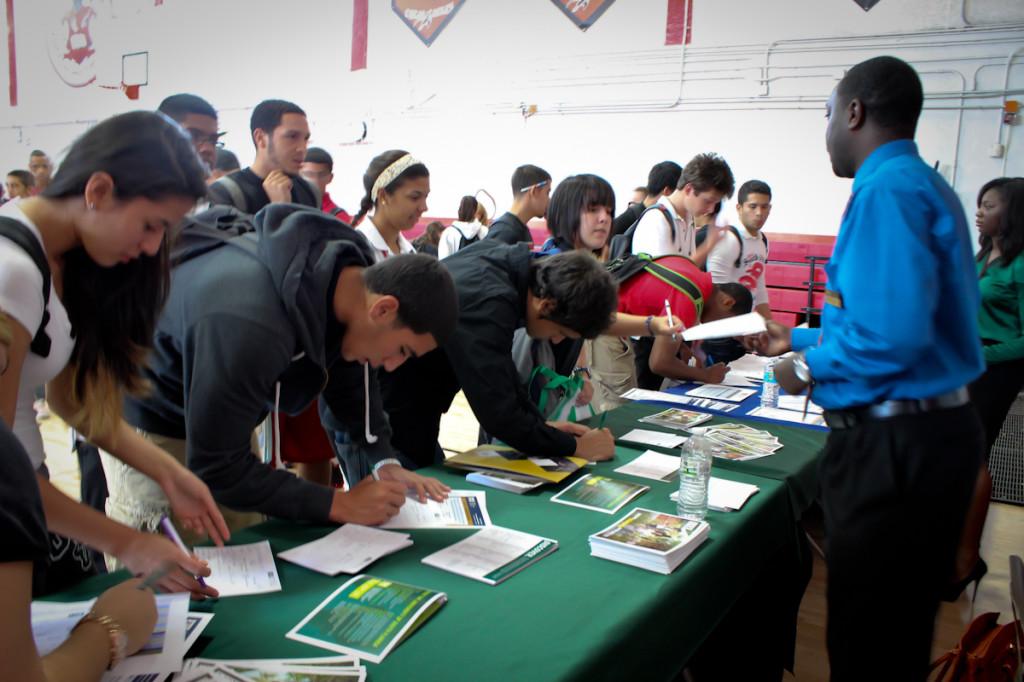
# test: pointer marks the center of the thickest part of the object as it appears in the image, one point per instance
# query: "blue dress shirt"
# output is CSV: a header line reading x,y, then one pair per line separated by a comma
x,y
902,321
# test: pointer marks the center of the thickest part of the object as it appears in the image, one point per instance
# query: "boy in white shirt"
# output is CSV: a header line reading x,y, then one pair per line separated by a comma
x,y
741,255
704,181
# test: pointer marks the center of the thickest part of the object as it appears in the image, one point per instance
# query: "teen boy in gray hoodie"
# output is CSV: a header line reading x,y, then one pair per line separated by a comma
x,y
266,321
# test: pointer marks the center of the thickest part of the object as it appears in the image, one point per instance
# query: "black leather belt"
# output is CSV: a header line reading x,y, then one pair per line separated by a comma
x,y
854,416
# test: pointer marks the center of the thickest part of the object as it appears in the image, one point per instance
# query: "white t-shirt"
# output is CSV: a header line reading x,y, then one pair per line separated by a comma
x,y
381,250
21,297
751,271
653,234
454,233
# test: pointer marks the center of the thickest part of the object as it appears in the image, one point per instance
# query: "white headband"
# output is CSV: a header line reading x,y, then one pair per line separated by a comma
x,y
389,174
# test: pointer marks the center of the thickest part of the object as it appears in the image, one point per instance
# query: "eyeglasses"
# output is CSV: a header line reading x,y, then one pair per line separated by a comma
x,y
536,184
200,138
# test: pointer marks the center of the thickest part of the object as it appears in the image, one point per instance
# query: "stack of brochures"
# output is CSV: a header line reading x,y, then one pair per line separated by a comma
x,y
740,442
492,555
651,540
675,418
507,460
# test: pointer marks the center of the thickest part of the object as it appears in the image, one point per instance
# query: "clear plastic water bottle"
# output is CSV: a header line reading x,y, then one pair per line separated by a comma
x,y
770,387
694,475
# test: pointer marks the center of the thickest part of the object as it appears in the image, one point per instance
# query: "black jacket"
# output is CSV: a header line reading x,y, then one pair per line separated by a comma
x,y
492,281
246,316
624,220
509,229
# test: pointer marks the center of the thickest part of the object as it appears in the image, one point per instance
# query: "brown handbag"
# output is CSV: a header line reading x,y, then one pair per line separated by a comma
x,y
987,652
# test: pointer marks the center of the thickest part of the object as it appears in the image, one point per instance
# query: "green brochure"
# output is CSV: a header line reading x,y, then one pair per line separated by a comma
x,y
368,617
601,494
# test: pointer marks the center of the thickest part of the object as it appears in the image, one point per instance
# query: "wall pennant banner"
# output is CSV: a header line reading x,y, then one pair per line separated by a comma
x,y
866,5
427,18
583,12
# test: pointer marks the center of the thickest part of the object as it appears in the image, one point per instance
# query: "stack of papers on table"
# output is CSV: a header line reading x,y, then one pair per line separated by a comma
x,y
728,393
321,669
462,509
652,465
750,367
598,493
651,540
348,549
674,418
725,495
779,414
740,442
665,397
508,460
368,617
492,555
160,657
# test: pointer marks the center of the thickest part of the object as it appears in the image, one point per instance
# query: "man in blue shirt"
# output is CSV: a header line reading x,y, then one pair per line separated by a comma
x,y
897,345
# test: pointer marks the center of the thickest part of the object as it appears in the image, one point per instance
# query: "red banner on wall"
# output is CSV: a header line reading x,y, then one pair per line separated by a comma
x,y
583,12
427,18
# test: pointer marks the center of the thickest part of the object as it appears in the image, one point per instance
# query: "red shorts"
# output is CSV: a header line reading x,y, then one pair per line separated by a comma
x,y
303,438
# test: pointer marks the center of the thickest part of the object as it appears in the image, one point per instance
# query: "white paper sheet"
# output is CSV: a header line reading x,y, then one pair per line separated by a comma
x,y
725,495
195,623
483,553
462,509
749,366
348,549
741,325
796,403
662,396
653,465
729,393
241,569
656,438
788,415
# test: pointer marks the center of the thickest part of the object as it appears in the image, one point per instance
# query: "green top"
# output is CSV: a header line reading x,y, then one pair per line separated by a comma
x,y
1001,318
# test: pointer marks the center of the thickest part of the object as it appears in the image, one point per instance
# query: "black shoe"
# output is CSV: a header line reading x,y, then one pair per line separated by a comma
x,y
954,590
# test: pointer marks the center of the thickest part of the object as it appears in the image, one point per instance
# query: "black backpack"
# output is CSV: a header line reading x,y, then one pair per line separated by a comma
x,y
622,269
621,245
23,238
465,241
702,234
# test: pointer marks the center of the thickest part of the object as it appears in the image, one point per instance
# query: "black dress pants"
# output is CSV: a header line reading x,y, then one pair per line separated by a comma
x,y
895,493
993,393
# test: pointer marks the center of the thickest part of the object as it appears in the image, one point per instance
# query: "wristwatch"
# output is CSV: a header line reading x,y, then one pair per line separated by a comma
x,y
118,637
802,369
385,462
582,370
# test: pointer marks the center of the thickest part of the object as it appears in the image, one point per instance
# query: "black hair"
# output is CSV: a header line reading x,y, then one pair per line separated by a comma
x,y
180,106
1011,224
226,161
37,152
321,156
573,196
744,300
376,167
467,209
890,91
716,209
585,296
114,310
664,175
528,176
268,113
706,172
752,187
24,176
427,302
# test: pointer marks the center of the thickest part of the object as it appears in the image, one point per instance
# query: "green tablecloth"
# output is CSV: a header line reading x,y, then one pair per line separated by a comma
x,y
796,463
570,616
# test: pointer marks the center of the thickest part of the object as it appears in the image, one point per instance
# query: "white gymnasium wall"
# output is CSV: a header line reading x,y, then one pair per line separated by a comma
x,y
612,100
